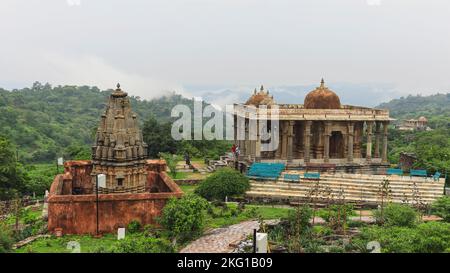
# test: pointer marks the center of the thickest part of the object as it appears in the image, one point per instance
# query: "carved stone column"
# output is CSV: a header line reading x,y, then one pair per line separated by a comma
x,y
385,142
290,141
307,141
326,143
369,141
284,133
350,142
377,140
258,143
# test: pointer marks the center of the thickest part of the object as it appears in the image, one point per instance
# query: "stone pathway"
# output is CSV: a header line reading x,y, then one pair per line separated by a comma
x,y
222,240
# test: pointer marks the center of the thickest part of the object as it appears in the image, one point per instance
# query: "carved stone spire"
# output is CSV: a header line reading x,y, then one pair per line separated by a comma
x,y
119,149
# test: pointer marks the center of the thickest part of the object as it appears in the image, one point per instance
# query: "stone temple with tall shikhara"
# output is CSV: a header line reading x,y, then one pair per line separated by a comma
x,y
136,189
120,151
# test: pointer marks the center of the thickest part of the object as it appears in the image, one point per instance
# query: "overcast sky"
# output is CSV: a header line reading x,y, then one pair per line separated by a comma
x,y
151,47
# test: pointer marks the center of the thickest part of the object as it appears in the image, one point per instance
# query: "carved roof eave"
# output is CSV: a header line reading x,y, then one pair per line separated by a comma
x,y
343,114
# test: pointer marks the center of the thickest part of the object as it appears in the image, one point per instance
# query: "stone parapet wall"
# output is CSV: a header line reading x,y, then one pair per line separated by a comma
x,y
76,214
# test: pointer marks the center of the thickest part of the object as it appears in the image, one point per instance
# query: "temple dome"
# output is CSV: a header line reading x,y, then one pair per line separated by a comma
x,y
322,98
423,119
260,98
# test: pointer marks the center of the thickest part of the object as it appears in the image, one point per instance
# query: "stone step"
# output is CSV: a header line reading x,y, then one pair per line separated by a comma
x,y
436,188
355,199
401,188
348,189
355,194
357,186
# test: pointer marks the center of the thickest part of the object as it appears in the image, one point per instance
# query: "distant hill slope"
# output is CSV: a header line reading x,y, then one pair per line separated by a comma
x,y
43,121
436,108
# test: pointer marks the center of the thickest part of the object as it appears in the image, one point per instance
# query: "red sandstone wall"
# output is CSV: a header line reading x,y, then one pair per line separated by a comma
x,y
76,214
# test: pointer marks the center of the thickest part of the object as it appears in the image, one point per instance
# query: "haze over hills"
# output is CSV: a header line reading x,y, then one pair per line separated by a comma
x,y
363,94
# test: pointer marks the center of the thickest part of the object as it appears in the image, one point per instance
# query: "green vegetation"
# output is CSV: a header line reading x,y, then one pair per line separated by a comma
x,y
188,188
431,237
12,176
436,108
431,147
229,214
183,218
45,122
441,208
158,136
224,182
142,244
171,161
397,215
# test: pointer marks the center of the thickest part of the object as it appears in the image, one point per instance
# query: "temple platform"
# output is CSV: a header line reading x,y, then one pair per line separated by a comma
x,y
360,189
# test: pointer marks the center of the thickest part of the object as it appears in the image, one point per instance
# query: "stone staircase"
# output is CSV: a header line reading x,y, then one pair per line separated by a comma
x,y
354,188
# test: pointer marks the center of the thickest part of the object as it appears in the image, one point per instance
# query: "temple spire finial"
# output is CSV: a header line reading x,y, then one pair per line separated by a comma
x,y
118,85
322,83
262,88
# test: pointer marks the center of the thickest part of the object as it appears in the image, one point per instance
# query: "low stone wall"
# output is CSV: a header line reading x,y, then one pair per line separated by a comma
x,y
188,181
76,214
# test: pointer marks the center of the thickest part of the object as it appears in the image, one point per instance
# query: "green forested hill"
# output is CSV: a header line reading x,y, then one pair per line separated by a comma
x,y
44,121
436,108
431,147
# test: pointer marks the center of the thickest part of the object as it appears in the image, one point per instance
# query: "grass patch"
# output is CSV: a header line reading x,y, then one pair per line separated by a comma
x,y
188,188
59,245
179,175
231,216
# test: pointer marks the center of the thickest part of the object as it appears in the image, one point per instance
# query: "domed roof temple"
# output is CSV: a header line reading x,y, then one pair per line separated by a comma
x,y
135,188
321,133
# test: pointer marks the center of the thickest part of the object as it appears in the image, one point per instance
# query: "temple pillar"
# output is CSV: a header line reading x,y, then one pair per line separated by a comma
x,y
350,142
290,141
377,140
326,143
284,133
369,141
307,141
385,142
258,143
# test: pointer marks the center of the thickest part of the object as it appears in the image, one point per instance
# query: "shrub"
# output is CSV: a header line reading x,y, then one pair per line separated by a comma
x,y
134,226
397,215
431,237
6,240
142,244
184,218
336,216
224,182
441,208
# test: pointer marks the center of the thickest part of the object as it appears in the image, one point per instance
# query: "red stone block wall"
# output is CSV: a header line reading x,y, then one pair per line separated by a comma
x,y
76,214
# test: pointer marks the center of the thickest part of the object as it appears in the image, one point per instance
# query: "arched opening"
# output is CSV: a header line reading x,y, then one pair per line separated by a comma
x,y
336,145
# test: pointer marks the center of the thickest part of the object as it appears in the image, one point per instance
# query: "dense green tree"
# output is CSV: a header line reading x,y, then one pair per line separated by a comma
x,y
12,176
183,218
158,137
224,182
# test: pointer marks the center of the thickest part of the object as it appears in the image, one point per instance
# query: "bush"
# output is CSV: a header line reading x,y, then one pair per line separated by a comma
x,y
142,244
431,237
6,240
184,218
441,208
224,182
134,226
397,215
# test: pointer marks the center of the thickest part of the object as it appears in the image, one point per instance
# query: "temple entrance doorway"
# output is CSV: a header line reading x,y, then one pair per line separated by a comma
x,y
336,145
